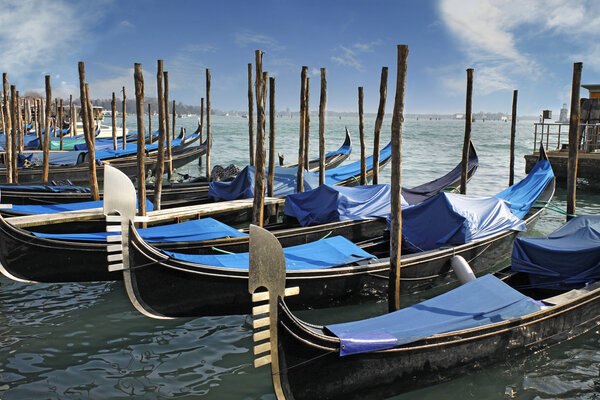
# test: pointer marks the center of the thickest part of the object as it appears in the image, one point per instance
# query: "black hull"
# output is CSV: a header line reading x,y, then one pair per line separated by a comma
x,y
319,372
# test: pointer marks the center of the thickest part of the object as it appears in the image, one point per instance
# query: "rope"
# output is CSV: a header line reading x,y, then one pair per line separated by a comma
x,y
552,207
325,237
221,251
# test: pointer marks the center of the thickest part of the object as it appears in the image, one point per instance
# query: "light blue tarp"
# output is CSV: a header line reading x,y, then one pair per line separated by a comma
x,y
566,259
196,230
482,301
54,158
242,187
326,253
329,203
54,208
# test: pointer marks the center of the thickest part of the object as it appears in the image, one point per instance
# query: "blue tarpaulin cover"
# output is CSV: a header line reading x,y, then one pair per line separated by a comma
x,y
44,188
482,301
566,259
54,208
242,187
195,230
326,253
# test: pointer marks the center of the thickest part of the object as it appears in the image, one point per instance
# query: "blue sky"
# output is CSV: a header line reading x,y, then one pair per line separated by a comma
x,y
525,45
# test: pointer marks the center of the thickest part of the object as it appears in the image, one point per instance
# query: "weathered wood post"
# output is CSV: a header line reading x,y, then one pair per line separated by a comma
x,y
258,205
42,120
379,123
467,141
168,127
124,119
141,140
201,127
174,121
300,173
573,140
20,125
87,134
8,156
159,169
208,132
113,111
55,116
250,115
272,115
322,101
92,138
396,186
149,123
60,122
14,131
46,167
361,133
513,131
73,116
307,124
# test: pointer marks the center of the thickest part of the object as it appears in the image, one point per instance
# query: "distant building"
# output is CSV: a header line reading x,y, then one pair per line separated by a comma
x,y
564,114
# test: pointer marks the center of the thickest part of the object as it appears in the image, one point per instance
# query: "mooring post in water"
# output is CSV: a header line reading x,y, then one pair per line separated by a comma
x,y
42,121
159,169
513,131
396,187
573,140
361,134
379,123
39,119
87,134
149,123
113,112
46,167
307,125
300,173
73,117
467,141
55,117
272,112
201,127
92,146
259,166
20,127
174,121
322,101
60,122
250,115
14,131
141,140
124,119
168,127
208,132
7,132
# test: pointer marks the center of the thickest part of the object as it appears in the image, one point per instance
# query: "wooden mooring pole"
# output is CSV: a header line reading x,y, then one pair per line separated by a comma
x,y
113,109
141,140
259,166
174,122
322,102
46,166
208,132
20,124
307,124
159,168
250,115
124,119
88,135
396,185
513,132
272,112
73,116
60,122
379,123
168,127
361,133
201,127
467,141
8,122
300,173
573,140
14,132
92,144
149,123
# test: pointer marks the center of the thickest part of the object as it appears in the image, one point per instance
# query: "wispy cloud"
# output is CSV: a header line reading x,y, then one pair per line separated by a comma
x,y
127,24
349,55
246,38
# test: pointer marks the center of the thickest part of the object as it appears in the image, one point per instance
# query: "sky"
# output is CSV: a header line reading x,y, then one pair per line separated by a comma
x,y
528,45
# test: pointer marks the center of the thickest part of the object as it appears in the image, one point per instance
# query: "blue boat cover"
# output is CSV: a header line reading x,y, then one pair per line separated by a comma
x,y
44,188
326,253
195,230
482,301
242,187
55,158
54,208
329,203
566,259
524,194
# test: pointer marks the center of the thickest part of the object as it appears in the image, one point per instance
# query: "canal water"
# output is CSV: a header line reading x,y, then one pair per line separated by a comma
x,y
85,340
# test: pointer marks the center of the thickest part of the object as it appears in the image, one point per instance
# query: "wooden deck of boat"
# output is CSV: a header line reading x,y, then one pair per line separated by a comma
x,y
170,215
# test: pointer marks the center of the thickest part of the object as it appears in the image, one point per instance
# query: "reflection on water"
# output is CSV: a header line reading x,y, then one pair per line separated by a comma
x,y
73,341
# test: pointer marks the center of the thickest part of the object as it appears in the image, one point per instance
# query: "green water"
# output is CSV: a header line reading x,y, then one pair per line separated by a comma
x,y
85,341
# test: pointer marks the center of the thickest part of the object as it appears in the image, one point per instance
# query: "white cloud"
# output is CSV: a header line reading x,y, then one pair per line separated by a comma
x,y
350,54
127,24
246,38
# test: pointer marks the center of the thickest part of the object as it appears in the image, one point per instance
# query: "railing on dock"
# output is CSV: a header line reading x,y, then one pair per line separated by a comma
x,y
556,136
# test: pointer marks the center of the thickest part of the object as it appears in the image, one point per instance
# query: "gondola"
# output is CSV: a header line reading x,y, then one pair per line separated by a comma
x,y
488,320
173,194
162,284
27,255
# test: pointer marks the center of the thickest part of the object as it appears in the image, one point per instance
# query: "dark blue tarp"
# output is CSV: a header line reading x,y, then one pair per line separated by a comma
x,y
329,203
482,301
54,158
54,208
242,187
566,259
195,230
44,188
326,253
